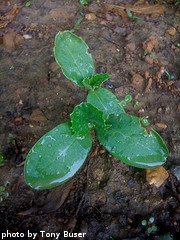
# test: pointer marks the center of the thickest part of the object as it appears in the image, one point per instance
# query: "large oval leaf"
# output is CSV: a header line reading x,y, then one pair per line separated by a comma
x,y
56,157
131,143
105,101
71,52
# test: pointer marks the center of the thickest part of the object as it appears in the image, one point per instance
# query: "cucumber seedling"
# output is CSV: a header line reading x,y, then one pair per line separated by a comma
x,y
61,152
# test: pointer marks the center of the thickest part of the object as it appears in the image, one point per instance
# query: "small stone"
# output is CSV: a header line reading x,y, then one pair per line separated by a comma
x,y
141,110
161,125
27,36
176,172
103,22
160,110
40,35
20,102
149,60
167,109
131,182
102,151
171,31
90,16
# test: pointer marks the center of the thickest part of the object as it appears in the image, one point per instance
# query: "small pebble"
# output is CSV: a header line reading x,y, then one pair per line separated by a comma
x,y
131,182
176,172
27,36
159,110
161,125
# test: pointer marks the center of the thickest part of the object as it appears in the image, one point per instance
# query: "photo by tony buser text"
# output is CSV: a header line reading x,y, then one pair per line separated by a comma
x,y
44,234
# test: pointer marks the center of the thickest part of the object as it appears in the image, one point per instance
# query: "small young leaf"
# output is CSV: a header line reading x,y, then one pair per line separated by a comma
x,y
105,101
71,53
166,236
95,81
56,157
85,117
1,160
83,2
129,142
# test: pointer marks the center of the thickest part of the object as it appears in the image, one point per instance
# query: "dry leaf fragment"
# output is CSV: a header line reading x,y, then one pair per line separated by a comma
x,y
116,9
141,9
9,16
156,176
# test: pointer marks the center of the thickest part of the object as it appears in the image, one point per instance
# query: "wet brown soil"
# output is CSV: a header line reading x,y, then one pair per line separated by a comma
x,y
107,199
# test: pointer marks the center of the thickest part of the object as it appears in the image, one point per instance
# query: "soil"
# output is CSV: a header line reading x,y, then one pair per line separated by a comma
x,y
107,199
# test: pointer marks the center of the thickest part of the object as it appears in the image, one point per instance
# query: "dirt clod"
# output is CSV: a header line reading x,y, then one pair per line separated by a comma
x,y
131,46
137,81
150,44
62,14
11,40
171,31
149,60
37,116
90,16
18,120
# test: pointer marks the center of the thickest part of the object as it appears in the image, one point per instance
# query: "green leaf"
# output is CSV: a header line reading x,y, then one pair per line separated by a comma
x,y
1,160
83,2
56,157
95,81
71,53
105,101
28,4
85,117
166,236
127,140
